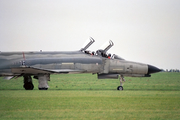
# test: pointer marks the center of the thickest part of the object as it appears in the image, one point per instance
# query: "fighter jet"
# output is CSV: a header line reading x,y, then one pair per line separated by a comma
x,y
40,65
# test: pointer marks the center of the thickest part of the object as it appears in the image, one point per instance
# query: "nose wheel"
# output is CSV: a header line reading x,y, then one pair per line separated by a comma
x,y
120,88
121,79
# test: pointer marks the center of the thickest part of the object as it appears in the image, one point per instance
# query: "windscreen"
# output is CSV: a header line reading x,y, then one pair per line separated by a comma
x,y
117,57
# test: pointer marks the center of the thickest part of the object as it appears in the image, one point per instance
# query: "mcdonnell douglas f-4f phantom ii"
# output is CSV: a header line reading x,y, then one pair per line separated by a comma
x,y
41,64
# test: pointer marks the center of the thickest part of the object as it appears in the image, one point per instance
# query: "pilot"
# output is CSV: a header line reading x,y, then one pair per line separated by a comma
x,y
92,53
87,52
109,56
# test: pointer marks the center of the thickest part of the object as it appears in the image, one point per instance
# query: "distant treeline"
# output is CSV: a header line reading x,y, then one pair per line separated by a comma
x,y
171,70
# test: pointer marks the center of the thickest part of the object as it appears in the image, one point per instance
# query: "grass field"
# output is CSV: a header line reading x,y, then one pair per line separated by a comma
x,y
83,96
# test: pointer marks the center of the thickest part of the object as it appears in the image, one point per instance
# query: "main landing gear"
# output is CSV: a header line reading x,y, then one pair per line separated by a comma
x,y
28,85
43,82
121,79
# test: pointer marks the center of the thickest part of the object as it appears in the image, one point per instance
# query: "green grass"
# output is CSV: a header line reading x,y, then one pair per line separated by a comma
x,y
83,96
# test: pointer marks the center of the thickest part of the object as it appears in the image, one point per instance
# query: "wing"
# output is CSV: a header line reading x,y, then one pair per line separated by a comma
x,y
34,71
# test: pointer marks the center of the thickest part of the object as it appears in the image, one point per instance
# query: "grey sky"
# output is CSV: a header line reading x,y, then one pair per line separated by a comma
x,y
145,31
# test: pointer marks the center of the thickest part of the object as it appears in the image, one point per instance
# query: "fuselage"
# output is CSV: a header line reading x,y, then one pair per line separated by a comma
x,y
69,62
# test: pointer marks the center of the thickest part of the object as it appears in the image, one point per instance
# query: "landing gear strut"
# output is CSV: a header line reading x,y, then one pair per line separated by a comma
x,y
43,81
121,79
28,85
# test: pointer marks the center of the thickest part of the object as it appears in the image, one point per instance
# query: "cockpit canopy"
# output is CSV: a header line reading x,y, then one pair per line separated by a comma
x,y
114,56
117,57
101,52
89,44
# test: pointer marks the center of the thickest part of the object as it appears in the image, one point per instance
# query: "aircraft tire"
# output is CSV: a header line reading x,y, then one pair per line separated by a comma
x,y
120,88
43,88
28,86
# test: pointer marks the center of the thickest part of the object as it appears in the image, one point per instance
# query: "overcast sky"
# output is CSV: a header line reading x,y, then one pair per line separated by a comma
x,y
146,31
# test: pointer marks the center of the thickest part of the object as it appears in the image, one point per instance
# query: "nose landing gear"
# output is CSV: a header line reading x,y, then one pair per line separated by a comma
x,y
121,79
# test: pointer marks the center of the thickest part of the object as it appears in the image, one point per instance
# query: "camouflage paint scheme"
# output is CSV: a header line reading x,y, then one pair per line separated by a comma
x,y
42,64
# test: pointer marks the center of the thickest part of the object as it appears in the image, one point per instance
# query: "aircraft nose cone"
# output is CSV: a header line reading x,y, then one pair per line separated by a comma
x,y
153,69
